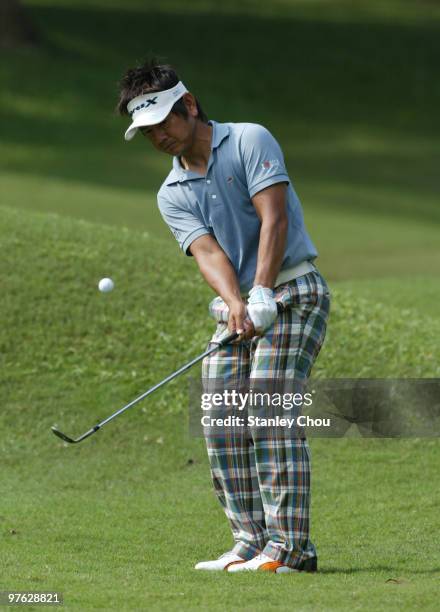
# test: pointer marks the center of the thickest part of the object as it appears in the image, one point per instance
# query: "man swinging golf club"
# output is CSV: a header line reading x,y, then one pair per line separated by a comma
x,y
230,204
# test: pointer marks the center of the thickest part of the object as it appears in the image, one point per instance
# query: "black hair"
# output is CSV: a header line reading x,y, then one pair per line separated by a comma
x,y
149,77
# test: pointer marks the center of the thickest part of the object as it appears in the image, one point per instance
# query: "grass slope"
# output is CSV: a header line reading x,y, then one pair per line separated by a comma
x,y
118,522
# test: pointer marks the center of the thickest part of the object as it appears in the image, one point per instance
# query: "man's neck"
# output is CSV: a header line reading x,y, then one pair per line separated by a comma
x,y
197,157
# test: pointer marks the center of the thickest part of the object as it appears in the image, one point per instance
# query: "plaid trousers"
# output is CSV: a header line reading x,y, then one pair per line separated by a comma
x,y
263,482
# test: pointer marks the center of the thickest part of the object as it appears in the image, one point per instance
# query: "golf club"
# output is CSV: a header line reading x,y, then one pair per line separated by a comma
x,y
187,366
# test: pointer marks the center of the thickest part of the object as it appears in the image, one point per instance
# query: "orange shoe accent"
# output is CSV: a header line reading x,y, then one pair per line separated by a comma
x,y
270,566
233,563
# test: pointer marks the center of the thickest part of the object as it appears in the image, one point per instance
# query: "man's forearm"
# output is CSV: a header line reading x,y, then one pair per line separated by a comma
x,y
270,252
220,275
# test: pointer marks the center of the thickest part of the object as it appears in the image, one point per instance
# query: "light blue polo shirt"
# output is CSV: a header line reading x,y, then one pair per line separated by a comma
x,y
245,158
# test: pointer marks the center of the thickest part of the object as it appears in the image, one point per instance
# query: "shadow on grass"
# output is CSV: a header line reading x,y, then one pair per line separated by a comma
x,y
320,78
395,571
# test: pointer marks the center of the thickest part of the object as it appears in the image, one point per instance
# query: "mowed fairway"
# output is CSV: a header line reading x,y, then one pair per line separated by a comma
x,y
118,522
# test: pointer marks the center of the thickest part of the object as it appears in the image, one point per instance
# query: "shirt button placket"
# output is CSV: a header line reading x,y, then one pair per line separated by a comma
x,y
213,195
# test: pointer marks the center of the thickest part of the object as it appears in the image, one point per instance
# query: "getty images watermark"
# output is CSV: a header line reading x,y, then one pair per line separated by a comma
x,y
382,408
239,404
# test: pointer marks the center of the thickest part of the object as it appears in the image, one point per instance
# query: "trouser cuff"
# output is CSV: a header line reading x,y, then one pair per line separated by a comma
x,y
246,551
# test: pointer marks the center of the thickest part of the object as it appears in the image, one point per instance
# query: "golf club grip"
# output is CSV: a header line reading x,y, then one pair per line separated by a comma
x,y
234,335
228,339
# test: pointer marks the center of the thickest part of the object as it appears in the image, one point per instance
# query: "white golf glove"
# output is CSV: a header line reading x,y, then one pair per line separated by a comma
x,y
261,307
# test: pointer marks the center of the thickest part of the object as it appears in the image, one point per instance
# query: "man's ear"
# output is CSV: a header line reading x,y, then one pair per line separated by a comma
x,y
191,105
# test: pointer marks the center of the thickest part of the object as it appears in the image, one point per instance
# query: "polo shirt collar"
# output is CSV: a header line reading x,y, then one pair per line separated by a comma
x,y
219,133
178,174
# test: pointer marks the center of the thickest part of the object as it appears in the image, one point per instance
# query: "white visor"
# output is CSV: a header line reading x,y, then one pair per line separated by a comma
x,y
152,108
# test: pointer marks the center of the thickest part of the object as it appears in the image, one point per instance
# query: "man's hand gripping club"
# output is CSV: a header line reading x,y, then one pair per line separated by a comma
x,y
257,317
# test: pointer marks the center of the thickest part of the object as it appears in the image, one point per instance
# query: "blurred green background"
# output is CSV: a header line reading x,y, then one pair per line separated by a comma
x,y
351,91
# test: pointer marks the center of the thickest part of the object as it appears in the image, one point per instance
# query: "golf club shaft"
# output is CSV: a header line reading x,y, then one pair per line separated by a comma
x,y
224,342
218,345
187,366
181,370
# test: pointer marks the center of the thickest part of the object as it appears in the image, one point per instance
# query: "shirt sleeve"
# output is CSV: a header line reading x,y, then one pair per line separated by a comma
x,y
184,224
262,158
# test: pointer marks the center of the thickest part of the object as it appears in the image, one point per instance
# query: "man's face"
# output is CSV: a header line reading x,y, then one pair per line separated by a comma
x,y
174,135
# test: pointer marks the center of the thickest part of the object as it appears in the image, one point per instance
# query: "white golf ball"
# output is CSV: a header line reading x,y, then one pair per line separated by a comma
x,y
105,285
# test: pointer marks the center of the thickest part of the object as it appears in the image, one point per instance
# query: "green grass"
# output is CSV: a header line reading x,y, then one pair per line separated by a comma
x,y
118,522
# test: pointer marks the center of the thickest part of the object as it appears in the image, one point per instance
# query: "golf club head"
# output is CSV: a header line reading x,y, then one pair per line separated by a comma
x,y
62,436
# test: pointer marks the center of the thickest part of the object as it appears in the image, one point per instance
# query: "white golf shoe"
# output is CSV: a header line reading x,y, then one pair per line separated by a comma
x,y
264,563
224,562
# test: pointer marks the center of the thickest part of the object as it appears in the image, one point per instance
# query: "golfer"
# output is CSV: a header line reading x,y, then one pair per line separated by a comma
x,y
231,205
